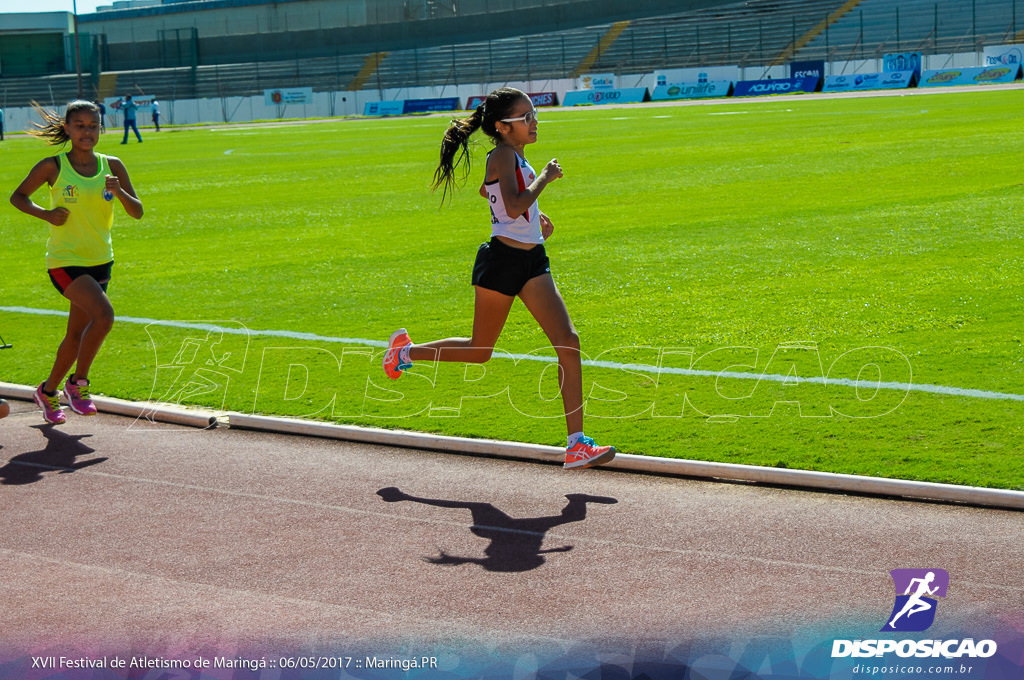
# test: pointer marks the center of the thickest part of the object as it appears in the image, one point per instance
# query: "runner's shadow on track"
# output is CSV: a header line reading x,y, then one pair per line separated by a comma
x,y
515,543
59,455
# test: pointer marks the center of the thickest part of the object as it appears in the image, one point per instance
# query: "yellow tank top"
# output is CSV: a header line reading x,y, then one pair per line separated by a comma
x,y
84,240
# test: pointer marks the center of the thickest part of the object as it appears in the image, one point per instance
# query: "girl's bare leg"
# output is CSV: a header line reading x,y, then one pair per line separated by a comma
x,y
545,303
89,321
490,312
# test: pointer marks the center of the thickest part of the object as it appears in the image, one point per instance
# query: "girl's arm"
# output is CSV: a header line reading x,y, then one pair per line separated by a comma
x,y
121,185
501,165
546,227
44,172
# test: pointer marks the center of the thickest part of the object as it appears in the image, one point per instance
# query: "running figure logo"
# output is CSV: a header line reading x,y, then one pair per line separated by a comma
x,y
914,610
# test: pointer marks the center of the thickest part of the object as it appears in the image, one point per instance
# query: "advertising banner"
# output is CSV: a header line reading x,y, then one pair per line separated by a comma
x,y
430,105
598,81
1003,55
538,98
902,61
142,103
860,82
981,75
627,95
395,108
807,69
757,88
291,95
718,88
702,75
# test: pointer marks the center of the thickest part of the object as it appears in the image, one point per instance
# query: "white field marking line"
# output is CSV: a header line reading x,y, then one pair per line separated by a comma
x,y
638,368
611,543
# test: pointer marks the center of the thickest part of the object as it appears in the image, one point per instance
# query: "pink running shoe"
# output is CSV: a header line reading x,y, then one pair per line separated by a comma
x,y
52,412
77,393
585,453
393,365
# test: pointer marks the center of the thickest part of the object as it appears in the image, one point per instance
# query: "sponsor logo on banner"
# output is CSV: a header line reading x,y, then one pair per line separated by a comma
x,y
393,108
902,61
869,81
431,105
807,69
992,75
718,88
599,81
753,88
943,77
1003,55
294,95
970,76
538,99
629,95
914,610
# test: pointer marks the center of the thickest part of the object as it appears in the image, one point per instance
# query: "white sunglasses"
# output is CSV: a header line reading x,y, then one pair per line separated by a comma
x,y
528,117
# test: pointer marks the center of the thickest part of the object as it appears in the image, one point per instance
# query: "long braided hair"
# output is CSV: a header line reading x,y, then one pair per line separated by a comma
x,y
455,145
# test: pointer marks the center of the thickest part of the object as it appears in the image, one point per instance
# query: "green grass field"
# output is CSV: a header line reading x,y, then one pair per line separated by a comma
x,y
871,239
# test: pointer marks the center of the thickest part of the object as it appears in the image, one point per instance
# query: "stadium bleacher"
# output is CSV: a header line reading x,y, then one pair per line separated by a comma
x,y
746,34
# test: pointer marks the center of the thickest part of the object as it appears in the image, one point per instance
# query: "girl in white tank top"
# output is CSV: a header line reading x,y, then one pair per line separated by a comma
x,y
513,264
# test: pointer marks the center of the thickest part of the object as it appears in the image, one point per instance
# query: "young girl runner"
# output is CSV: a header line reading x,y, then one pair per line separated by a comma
x,y
83,186
513,264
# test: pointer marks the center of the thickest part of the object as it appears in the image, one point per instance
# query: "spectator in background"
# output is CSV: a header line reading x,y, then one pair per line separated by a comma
x,y
129,108
1,125
103,113
156,114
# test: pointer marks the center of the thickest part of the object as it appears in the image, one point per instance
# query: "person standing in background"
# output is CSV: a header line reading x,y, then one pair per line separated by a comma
x,y
130,108
156,115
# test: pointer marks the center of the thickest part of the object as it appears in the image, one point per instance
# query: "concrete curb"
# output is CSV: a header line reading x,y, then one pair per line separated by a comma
x,y
161,413
877,486
949,493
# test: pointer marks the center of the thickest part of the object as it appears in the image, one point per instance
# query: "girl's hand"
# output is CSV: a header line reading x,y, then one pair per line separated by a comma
x,y
113,185
551,171
546,227
57,216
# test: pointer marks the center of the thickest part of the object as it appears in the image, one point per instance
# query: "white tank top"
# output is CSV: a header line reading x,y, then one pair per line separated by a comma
x,y
524,228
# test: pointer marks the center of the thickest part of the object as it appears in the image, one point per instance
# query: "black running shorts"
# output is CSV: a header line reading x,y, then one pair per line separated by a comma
x,y
63,276
502,268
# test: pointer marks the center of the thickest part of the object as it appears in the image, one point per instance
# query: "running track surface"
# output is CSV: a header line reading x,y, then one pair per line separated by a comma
x,y
118,535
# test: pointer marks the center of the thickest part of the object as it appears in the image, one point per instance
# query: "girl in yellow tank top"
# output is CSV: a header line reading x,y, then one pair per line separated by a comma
x,y
79,256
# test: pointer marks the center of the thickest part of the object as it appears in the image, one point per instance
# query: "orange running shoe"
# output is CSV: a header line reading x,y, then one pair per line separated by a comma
x,y
585,453
392,363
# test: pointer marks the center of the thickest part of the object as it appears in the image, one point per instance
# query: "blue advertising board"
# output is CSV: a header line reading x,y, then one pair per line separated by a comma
x,y
902,61
807,69
430,105
859,82
757,88
716,88
625,95
395,108
981,75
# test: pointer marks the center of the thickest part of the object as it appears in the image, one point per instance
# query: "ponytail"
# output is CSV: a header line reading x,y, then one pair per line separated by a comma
x,y
52,128
455,145
454,150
